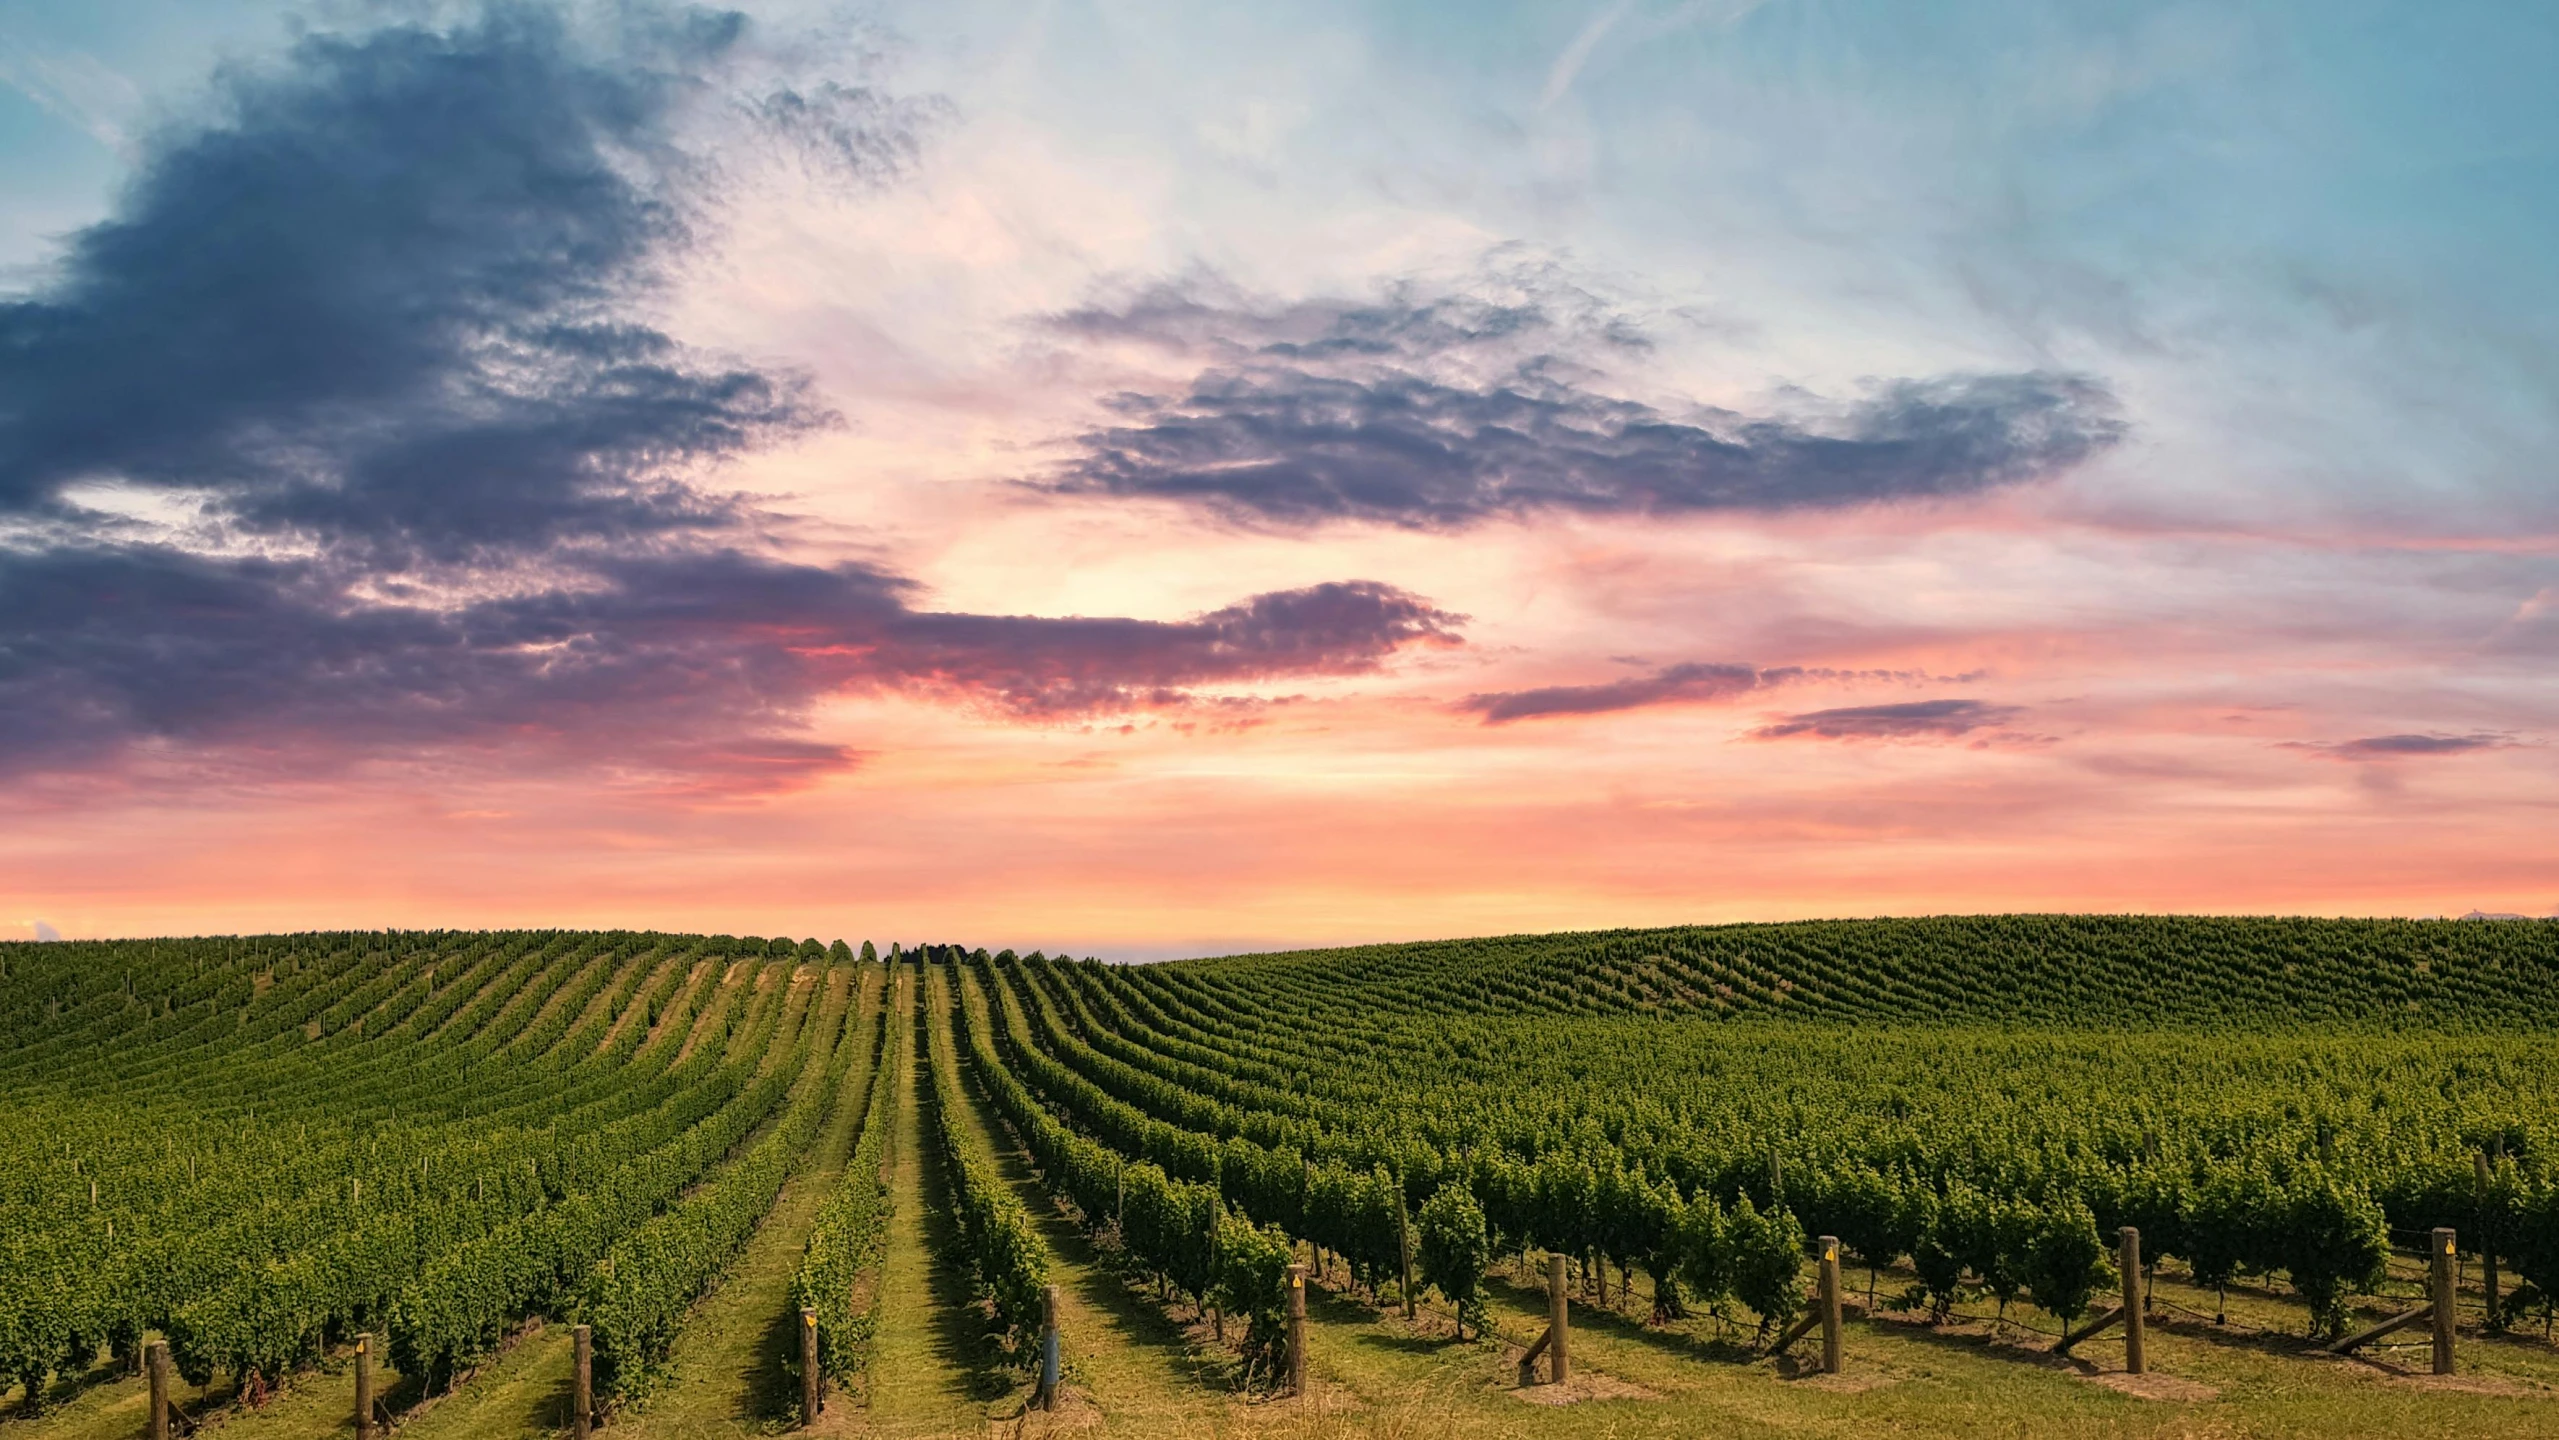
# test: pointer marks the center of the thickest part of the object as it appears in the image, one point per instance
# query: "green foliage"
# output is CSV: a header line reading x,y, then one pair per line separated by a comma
x,y
638,1297
1252,1286
849,1238
438,1134
2061,1258
1767,1258
1937,1255
2230,1220
1705,1258
2335,1243
296,1136
1006,1258
2533,1221
1452,1250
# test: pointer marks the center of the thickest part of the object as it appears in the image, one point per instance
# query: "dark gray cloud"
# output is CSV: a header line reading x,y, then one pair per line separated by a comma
x,y
371,332
680,660
1691,683
1694,682
1915,720
1442,413
2400,747
381,299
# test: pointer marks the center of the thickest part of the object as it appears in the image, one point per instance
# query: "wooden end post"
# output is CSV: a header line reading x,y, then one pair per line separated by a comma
x,y
155,1360
811,1398
1046,1396
2442,1292
2130,1260
1830,1303
582,1383
1297,1329
364,1387
1559,1303
1404,1249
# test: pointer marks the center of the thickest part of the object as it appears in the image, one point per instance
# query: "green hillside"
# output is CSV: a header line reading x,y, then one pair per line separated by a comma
x,y
253,1150
2004,969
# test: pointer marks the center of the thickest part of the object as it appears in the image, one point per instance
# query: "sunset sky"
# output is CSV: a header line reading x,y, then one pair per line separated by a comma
x,y
1152,479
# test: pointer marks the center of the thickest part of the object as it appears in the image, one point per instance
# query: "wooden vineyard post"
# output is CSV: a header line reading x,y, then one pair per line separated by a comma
x,y
582,1384
2130,1259
810,1400
1830,1304
155,1359
1404,1249
1559,1302
1045,1398
1297,1329
364,1387
2487,1238
2442,1292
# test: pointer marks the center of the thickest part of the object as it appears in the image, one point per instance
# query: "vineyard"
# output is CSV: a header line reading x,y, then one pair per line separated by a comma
x,y
924,1188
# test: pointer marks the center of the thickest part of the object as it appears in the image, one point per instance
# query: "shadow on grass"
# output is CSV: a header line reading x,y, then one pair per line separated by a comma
x,y
1531,1304
961,1339
773,1393
1136,1318
1375,1339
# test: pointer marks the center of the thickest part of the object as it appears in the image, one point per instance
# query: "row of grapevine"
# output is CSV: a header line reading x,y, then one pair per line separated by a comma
x,y
1179,1232
1604,1177
838,1273
1742,1254
1007,1261
258,1145
637,1298
338,1269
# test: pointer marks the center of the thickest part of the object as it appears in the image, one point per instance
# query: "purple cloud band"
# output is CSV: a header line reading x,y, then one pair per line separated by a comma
x,y
1438,414
373,326
2403,747
1918,719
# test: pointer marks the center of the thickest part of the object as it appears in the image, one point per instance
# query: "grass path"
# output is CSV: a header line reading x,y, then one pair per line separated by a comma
x,y
1123,1355
523,1391
931,1372
730,1376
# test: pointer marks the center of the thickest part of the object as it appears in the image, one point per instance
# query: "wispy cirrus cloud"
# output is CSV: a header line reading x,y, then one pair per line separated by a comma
x,y
2405,747
1913,720
412,469
1443,412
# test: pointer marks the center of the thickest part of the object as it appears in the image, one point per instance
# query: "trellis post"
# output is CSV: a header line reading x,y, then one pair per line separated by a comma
x,y
1404,1249
810,1398
1296,1329
582,1383
1559,1302
2442,1289
2131,1262
155,1359
1830,1304
1046,1396
364,1387
2487,1241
